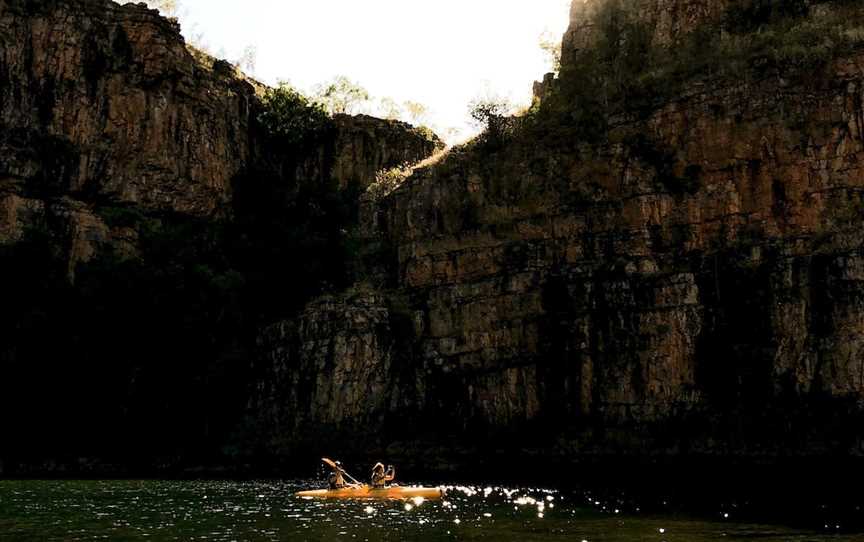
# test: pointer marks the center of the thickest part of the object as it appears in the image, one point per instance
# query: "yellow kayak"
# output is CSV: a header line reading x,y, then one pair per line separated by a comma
x,y
367,492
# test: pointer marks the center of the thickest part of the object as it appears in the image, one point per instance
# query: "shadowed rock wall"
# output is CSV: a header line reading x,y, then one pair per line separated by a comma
x,y
149,227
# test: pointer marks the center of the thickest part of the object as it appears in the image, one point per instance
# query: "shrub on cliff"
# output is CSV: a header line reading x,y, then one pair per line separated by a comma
x,y
290,117
387,181
550,44
492,114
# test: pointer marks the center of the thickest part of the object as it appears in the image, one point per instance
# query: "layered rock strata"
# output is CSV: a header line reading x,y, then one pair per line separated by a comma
x,y
690,284
106,104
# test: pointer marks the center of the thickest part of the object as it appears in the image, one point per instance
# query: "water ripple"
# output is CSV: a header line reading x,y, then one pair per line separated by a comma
x,y
268,510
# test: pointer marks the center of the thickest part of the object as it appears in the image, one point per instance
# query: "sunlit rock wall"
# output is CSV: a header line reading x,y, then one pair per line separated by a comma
x,y
667,19
105,105
691,284
367,145
125,112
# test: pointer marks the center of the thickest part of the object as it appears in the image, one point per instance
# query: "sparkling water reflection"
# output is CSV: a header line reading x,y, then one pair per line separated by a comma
x,y
267,510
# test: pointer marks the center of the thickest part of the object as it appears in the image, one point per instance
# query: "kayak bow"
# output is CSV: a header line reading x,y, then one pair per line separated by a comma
x,y
367,492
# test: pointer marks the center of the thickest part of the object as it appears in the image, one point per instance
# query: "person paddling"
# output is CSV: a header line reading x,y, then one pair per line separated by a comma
x,y
380,477
336,480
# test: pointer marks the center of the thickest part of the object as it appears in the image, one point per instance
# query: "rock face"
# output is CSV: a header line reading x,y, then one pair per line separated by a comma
x,y
692,283
106,105
16,214
667,20
336,361
117,108
366,145
126,150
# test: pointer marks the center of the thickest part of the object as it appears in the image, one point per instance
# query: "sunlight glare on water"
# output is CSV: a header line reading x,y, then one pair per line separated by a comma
x,y
268,510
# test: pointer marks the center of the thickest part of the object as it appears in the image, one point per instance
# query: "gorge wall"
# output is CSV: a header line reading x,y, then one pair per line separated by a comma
x,y
105,104
687,282
149,226
662,258
665,20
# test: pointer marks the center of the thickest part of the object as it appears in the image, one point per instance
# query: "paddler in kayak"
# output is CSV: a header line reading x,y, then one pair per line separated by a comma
x,y
336,480
380,477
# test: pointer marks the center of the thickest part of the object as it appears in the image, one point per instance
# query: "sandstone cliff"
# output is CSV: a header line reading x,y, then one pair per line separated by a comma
x,y
664,257
687,280
138,168
127,111
666,20
105,104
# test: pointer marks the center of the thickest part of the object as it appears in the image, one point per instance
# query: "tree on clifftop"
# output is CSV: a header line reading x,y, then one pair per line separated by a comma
x,y
551,45
489,112
341,96
417,113
248,59
290,117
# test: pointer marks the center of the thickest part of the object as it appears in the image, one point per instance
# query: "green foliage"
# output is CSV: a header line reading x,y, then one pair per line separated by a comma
x,y
487,111
491,114
408,111
389,109
551,45
416,112
427,132
387,181
291,118
248,59
341,96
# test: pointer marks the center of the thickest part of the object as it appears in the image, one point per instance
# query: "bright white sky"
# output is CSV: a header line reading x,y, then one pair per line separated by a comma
x,y
441,53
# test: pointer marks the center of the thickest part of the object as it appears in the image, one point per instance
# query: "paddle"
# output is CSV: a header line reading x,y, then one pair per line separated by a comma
x,y
333,465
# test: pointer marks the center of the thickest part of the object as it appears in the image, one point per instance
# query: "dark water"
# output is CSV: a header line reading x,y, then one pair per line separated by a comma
x,y
267,510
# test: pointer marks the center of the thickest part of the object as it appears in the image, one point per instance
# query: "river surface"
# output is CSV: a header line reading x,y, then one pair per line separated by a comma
x,y
267,510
